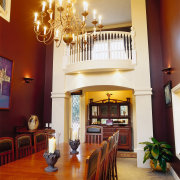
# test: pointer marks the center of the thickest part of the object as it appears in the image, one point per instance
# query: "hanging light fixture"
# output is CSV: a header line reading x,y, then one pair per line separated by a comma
x,y
63,23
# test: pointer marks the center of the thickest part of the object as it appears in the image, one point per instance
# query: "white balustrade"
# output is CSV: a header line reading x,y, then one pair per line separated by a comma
x,y
108,45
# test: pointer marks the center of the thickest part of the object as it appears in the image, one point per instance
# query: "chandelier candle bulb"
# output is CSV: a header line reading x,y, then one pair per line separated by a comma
x,y
52,145
51,15
50,4
35,16
69,1
43,6
57,33
85,37
85,6
60,3
94,14
100,19
73,38
38,23
45,29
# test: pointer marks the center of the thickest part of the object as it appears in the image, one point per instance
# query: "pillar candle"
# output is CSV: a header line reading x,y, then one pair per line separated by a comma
x,y
52,145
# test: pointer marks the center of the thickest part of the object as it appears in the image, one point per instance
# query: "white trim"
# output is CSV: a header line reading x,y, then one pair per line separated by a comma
x,y
142,92
5,14
59,95
175,176
176,89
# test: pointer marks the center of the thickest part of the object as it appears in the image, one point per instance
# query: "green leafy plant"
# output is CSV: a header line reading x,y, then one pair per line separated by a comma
x,y
157,152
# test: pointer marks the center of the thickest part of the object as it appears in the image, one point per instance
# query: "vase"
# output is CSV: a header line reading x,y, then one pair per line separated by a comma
x,y
158,167
33,122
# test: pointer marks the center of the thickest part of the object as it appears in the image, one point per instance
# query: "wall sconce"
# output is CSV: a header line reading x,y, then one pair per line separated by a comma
x,y
167,70
28,80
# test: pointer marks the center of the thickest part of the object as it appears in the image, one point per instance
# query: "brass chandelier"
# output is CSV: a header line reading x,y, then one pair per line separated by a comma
x,y
63,23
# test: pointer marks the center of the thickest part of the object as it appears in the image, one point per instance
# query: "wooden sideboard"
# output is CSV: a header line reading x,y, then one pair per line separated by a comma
x,y
124,136
114,115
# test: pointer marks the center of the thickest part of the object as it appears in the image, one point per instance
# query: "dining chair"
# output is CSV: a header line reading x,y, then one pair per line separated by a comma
x,y
94,134
23,145
116,140
103,160
40,141
6,150
92,164
110,156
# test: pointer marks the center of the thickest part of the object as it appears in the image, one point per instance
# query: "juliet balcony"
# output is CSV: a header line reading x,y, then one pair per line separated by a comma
x,y
110,50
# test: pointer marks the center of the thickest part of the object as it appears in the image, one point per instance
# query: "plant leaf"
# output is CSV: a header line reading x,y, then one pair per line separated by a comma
x,y
146,156
167,152
162,163
155,151
166,146
154,140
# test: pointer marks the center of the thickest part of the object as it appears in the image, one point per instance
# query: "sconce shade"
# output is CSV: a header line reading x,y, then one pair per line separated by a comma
x,y
28,80
167,70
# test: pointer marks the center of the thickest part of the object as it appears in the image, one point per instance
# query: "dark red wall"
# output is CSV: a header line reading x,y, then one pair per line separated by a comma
x,y
164,33
18,43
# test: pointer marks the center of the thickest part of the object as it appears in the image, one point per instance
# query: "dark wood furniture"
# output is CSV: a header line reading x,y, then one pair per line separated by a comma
x,y
116,140
103,161
92,165
40,141
32,167
6,150
94,134
113,115
23,145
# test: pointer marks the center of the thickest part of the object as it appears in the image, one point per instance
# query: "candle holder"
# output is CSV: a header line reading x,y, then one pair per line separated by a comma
x,y
74,145
51,159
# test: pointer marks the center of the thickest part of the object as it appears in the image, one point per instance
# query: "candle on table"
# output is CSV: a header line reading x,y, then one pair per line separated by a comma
x,y
100,19
52,145
57,33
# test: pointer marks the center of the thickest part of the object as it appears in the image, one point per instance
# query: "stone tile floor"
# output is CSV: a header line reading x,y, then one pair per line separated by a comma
x,y
127,170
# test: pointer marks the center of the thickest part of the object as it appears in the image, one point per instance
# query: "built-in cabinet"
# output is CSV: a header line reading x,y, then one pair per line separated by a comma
x,y
113,115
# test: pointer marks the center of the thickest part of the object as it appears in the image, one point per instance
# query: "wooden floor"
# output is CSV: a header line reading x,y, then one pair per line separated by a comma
x,y
127,170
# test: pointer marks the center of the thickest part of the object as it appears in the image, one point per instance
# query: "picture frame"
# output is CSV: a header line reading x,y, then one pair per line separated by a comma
x,y
124,110
167,93
6,73
5,9
94,110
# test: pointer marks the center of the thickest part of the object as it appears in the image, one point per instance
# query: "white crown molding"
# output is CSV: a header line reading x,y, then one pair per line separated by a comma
x,y
59,95
142,92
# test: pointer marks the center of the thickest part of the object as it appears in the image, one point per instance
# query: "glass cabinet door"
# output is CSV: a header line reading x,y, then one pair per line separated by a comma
x,y
124,110
113,110
104,110
94,110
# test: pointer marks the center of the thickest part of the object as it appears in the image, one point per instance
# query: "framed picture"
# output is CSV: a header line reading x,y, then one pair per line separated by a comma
x,y
167,93
5,9
124,110
94,110
6,69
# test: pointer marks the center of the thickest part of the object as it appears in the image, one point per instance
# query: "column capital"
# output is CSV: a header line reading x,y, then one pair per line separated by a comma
x,y
59,95
143,91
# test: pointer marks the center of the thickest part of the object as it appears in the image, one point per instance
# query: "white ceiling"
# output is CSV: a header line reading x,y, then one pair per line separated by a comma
x,y
112,11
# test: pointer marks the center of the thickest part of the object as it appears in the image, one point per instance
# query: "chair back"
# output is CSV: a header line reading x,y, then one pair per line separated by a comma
x,y
40,141
92,162
94,134
23,145
103,160
6,150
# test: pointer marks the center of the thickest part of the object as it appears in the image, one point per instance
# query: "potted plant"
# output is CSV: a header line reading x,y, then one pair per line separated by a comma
x,y
159,154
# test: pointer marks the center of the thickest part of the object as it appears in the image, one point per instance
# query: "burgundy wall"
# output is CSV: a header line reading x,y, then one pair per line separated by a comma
x,y
164,33
18,43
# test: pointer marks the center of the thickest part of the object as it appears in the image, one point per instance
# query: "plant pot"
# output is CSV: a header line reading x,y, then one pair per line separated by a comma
x,y
158,167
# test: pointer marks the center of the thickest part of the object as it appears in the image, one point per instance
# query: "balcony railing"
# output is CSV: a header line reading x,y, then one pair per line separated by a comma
x,y
109,46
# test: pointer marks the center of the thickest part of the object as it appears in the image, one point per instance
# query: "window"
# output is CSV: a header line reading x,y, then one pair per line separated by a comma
x,y
109,49
75,110
5,8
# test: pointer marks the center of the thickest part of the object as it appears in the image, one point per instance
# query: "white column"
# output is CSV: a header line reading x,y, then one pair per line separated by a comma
x,y
144,122
60,115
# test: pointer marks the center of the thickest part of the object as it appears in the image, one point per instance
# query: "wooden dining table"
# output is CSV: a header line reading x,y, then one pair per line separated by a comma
x,y
70,167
